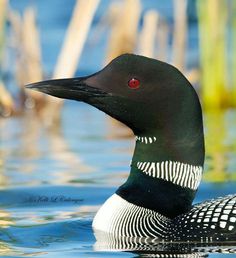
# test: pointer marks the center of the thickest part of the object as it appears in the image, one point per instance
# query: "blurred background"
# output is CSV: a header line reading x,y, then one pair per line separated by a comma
x,y
65,147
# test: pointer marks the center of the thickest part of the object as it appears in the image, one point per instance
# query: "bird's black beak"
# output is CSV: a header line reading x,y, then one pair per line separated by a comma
x,y
74,88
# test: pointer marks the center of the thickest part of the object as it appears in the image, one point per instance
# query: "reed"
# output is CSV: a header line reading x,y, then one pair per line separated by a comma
x,y
3,9
32,56
31,47
124,27
234,53
179,34
28,55
75,38
16,25
16,31
212,16
162,39
6,101
72,47
148,35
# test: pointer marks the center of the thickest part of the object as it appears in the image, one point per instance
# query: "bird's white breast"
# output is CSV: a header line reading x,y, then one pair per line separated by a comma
x,y
121,218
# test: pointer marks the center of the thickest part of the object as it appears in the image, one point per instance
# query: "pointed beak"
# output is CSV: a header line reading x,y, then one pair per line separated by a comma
x,y
74,88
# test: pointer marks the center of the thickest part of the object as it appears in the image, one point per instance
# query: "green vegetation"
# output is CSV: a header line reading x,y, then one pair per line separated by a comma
x,y
212,15
234,53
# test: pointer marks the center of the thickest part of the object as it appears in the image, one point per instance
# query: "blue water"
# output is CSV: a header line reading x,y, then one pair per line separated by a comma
x,y
52,182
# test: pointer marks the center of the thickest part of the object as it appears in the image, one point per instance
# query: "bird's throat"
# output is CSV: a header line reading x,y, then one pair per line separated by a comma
x,y
162,178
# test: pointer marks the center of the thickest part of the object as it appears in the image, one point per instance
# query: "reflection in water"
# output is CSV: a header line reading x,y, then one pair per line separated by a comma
x,y
62,155
3,156
5,250
215,124
220,140
30,145
151,247
5,220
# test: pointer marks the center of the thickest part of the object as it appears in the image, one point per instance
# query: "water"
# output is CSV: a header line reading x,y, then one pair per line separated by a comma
x,y
53,182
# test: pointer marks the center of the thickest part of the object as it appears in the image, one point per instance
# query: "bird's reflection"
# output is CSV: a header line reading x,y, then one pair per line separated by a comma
x,y
151,247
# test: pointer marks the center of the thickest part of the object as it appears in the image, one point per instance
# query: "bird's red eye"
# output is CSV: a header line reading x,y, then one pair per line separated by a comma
x,y
134,83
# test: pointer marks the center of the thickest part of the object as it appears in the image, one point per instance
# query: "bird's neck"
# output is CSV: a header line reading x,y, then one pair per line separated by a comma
x,y
165,174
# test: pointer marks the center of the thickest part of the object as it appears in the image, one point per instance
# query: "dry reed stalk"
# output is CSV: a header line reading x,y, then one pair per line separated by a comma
x,y
73,44
28,62
148,34
113,48
16,42
32,69
16,26
124,28
180,33
212,32
31,47
76,35
6,101
162,39
3,9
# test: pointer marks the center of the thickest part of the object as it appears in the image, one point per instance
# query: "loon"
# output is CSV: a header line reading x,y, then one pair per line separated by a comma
x,y
161,107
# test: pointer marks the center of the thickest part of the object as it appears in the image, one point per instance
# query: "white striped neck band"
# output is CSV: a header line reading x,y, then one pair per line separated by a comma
x,y
184,175
146,139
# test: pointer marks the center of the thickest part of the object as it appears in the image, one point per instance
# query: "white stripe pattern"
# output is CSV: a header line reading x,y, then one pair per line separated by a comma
x,y
121,225
178,173
146,140
124,219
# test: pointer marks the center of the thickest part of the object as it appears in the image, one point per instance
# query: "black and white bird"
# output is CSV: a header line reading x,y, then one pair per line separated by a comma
x,y
158,103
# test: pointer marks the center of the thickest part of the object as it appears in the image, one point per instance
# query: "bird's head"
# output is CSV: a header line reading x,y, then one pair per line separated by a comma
x,y
147,95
